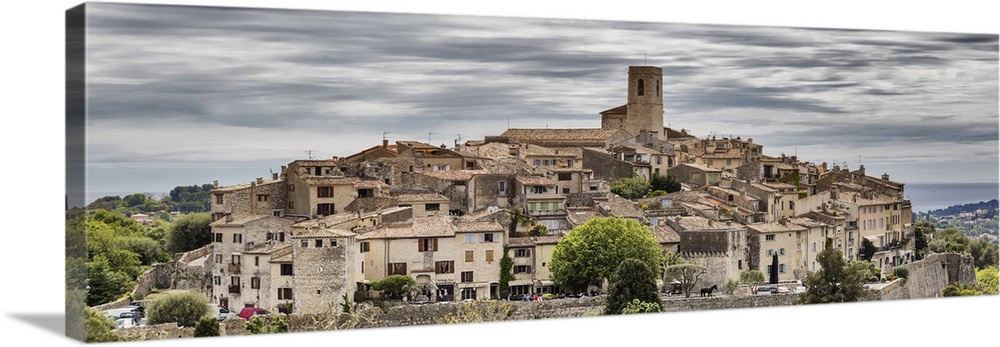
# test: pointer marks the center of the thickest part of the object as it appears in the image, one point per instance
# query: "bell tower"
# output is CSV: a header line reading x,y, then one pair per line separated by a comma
x,y
645,100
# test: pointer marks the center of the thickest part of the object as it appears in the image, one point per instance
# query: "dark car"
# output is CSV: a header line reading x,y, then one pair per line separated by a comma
x,y
248,312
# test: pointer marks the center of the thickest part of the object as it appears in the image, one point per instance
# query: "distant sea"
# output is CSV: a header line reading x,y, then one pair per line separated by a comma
x,y
935,196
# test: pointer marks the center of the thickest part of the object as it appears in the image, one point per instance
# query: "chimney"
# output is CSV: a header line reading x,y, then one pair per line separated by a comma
x,y
885,176
260,180
229,217
783,221
274,175
215,184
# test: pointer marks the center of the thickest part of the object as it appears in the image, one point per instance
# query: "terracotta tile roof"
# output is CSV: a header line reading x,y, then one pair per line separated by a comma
x,y
775,227
547,240
665,234
547,134
697,223
536,181
617,110
239,220
328,232
246,185
578,216
316,162
268,247
415,197
454,175
727,154
521,241
341,180
642,149
373,203
621,207
434,226
478,227
700,167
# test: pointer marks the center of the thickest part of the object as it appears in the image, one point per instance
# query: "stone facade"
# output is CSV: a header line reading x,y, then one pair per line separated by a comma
x,y
605,166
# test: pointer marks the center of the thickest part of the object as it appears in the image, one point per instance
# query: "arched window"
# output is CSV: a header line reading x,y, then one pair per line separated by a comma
x,y
640,88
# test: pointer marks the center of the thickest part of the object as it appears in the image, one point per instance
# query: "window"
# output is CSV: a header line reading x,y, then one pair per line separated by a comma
x,y
470,238
659,160
769,237
781,268
218,237
489,255
324,192
770,252
291,187
593,188
305,243
218,199
291,204
522,252
235,259
281,237
768,271
319,243
324,209
522,269
255,282
469,256
217,280
286,269
261,197
469,293
432,207
284,293
234,280
640,88
537,190
488,237
566,190
502,188
565,176
276,213
427,245
444,267
256,261
466,276
397,269
237,238
537,162
218,258
781,251
729,162
364,247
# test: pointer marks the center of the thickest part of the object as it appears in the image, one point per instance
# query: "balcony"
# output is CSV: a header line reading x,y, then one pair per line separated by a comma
x,y
233,268
234,289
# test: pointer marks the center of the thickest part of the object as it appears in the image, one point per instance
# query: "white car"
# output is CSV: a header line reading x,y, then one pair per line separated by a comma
x,y
219,312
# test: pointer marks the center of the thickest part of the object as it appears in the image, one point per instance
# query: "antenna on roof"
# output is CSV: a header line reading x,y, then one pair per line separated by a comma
x,y
429,137
309,153
383,135
643,58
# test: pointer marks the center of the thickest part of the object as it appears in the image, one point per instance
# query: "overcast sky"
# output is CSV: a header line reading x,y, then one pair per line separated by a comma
x,y
187,95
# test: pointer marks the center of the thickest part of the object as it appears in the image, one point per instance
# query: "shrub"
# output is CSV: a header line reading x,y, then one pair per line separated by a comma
x,y
394,286
97,327
901,272
548,296
206,326
636,306
731,285
185,309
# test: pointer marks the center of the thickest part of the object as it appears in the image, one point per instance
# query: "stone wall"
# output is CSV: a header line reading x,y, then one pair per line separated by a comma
x,y
606,166
929,276
155,332
157,276
583,199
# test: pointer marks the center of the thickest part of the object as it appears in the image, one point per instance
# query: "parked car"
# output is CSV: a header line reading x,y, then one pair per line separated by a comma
x,y
220,313
249,312
117,312
766,290
799,290
782,290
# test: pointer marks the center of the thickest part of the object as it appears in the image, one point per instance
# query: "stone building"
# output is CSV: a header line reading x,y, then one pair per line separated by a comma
x,y
234,236
695,175
644,110
782,239
720,247
424,204
326,268
258,197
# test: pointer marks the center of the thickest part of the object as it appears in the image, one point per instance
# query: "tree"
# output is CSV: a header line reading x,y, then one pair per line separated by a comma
x,y
988,280
506,274
637,306
206,326
687,274
591,252
133,200
630,188
666,183
731,285
959,289
835,282
632,281
868,249
753,279
920,231
106,284
272,325
185,309
868,270
394,286
98,326
189,231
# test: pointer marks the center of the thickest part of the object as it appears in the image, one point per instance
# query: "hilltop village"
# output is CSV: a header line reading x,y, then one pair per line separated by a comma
x,y
322,229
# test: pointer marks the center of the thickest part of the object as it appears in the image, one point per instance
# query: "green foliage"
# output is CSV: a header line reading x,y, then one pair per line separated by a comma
x,y
185,309
592,251
539,230
630,188
98,326
635,306
271,325
731,285
506,273
686,274
632,281
868,270
479,311
656,193
868,249
188,232
206,326
988,280
984,253
394,286
901,272
753,279
835,282
106,284
667,184
672,258
920,231
958,289
548,296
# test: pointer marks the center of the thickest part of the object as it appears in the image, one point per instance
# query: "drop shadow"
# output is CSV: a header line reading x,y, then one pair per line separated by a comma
x,y
52,322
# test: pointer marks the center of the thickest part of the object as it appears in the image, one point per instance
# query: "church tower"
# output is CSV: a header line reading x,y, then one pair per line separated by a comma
x,y
645,100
